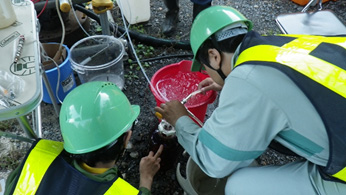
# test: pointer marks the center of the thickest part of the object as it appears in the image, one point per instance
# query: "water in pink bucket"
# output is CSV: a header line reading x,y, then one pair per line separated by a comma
x,y
176,81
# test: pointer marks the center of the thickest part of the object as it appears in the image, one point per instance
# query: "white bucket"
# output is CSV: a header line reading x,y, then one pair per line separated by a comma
x,y
135,11
7,15
198,183
99,58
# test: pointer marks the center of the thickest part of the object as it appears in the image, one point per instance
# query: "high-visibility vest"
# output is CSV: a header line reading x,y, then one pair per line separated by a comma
x,y
317,65
45,172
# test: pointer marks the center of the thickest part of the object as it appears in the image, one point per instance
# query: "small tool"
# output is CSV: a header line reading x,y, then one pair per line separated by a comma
x,y
159,116
19,49
88,59
7,93
190,95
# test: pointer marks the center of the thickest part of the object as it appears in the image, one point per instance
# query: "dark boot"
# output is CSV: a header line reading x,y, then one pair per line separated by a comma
x,y
198,8
172,17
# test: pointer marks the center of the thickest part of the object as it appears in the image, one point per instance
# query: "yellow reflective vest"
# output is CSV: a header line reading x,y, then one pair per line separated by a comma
x,y
317,64
45,172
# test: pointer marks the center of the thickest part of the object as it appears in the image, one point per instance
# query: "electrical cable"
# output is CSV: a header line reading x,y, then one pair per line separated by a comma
x,y
146,39
59,50
135,54
44,55
58,80
143,71
62,25
44,7
77,19
60,46
111,22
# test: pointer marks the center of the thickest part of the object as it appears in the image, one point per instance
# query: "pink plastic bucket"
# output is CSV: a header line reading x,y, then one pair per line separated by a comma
x,y
175,82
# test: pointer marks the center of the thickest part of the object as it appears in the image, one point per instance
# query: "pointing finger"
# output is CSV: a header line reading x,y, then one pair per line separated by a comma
x,y
159,151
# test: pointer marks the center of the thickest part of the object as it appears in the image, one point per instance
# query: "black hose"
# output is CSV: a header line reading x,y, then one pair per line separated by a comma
x,y
164,57
146,39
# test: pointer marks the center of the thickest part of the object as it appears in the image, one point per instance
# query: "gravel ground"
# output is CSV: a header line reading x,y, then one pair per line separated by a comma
x,y
261,12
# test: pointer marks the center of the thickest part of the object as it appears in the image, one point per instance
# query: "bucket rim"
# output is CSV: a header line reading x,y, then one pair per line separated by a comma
x,y
75,65
64,62
209,100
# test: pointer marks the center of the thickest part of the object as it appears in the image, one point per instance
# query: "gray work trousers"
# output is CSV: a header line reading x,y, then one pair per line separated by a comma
x,y
301,177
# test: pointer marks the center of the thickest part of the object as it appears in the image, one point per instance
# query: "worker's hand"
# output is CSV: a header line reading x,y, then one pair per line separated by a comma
x,y
148,167
172,111
209,84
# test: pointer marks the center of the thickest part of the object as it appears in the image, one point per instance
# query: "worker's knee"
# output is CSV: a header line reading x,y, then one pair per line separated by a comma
x,y
232,186
238,183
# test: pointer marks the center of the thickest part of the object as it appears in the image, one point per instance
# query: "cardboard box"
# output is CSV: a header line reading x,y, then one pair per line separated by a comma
x,y
52,51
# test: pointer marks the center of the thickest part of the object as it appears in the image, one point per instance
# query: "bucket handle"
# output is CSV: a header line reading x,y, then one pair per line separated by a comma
x,y
78,69
184,183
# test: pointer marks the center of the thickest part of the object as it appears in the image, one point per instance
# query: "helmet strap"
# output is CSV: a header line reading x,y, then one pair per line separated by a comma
x,y
222,75
219,71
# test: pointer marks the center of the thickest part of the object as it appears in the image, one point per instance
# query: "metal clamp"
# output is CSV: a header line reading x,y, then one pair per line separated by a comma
x,y
311,2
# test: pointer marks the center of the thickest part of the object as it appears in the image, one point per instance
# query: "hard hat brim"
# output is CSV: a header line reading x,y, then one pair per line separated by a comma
x,y
218,17
196,66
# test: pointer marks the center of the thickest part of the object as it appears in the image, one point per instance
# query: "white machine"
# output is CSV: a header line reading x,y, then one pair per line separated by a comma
x,y
20,78
320,22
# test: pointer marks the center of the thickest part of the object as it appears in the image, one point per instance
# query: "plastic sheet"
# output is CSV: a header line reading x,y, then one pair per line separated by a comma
x,y
11,86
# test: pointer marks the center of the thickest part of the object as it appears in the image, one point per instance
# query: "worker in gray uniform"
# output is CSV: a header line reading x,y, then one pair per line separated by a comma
x,y
286,88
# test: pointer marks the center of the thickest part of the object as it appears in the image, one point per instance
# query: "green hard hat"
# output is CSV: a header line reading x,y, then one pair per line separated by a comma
x,y
93,115
208,22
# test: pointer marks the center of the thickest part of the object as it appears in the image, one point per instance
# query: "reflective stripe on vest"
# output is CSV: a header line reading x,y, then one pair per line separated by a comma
x,y
120,186
36,166
295,54
302,53
341,174
38,162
